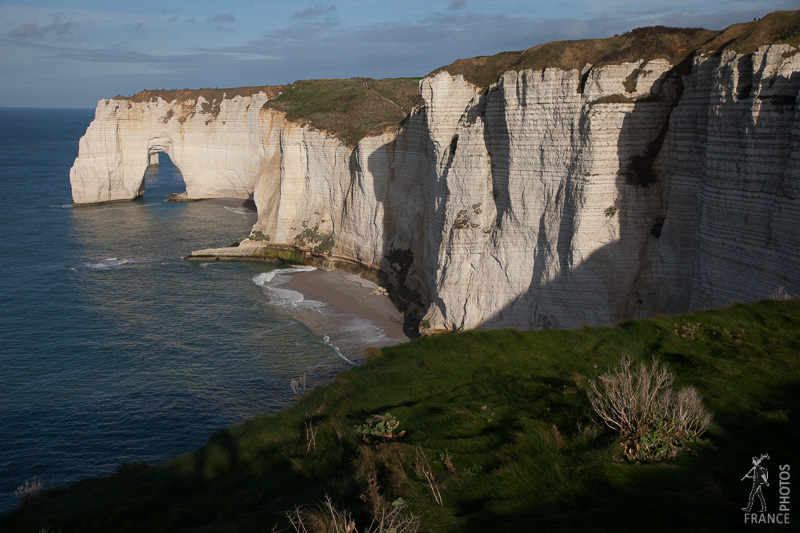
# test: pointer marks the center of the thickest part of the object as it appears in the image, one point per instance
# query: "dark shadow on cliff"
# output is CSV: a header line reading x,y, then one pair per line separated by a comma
x,y
401,171
496,139
614,282
752,235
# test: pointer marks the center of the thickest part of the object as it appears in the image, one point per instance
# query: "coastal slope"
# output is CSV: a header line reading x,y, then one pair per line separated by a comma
x,y
579,182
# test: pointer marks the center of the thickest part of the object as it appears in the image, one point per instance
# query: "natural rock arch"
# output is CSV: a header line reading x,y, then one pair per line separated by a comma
x,y
156,146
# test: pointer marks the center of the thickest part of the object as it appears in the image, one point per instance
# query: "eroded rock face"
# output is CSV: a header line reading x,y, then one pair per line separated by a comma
x,y
553,199
217,146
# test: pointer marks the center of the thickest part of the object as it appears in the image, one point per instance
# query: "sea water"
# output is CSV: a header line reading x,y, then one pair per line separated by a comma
x,y
113,348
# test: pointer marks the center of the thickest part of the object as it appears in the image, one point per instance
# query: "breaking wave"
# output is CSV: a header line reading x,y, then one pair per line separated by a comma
x,y
347,334
241,211
109,264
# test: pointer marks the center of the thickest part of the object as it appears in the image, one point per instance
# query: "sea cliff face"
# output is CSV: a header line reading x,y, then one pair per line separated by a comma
x,y
553,198
216,145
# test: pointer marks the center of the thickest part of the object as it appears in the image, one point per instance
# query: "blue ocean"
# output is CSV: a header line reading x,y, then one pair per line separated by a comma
x,y
113,348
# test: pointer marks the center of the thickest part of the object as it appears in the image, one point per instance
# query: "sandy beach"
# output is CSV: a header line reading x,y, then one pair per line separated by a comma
x,y
352,294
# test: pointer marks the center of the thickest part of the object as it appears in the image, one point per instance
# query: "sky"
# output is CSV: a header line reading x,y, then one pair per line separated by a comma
x,y
73,53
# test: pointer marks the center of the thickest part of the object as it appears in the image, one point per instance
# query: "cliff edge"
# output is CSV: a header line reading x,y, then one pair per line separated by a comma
x,y
578,182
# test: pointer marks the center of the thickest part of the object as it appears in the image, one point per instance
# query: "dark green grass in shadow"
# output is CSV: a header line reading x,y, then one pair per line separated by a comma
x,y
509,410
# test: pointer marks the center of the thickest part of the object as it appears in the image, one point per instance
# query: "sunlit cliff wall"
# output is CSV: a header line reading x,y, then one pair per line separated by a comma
x,y
554,198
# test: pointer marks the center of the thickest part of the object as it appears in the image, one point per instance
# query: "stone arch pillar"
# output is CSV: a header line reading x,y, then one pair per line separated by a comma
x,y
156,145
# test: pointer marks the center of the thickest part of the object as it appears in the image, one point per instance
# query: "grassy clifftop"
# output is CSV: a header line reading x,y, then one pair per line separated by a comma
x,y
503,423
210,95
673,44
351,108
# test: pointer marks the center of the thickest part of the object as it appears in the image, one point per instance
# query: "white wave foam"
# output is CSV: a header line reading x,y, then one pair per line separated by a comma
x,y
347,334
296,270
275,282
287,297
265,277
110,263
327,340
240,210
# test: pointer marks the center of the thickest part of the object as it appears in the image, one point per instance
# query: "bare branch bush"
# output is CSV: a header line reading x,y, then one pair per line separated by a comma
x,y
340,431
322,518
327,518
781,294
626,397
372,495
311,437
638,401
423,469
394,519
298,385
448,463
30,491
387,517
687,408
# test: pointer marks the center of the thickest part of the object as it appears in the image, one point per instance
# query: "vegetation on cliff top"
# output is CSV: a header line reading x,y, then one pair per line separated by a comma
x,y
499,436
672,44
349,108
210,95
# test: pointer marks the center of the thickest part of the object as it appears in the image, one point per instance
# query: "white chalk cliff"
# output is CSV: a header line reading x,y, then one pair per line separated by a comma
x,y
554,198
216,145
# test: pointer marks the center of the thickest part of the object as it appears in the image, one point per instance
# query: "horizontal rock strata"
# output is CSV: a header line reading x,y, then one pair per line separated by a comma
x,y
216,145
554,198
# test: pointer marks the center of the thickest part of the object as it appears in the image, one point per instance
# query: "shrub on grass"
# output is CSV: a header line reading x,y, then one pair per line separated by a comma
x,y
30,491
781,294
638,401
324,517
379,426
327,518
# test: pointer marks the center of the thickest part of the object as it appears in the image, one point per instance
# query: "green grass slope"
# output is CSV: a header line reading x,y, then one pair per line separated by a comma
x,y
503,420
351,108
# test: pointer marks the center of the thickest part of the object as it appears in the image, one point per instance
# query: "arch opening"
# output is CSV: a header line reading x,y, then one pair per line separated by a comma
x,y
162,178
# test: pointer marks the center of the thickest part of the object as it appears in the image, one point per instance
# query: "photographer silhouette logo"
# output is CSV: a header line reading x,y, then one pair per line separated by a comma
x,y
760,476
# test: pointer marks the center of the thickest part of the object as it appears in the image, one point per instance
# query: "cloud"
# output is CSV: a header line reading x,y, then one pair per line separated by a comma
x,y
315,11
224,18
313,46
579,30
320,49
28,31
